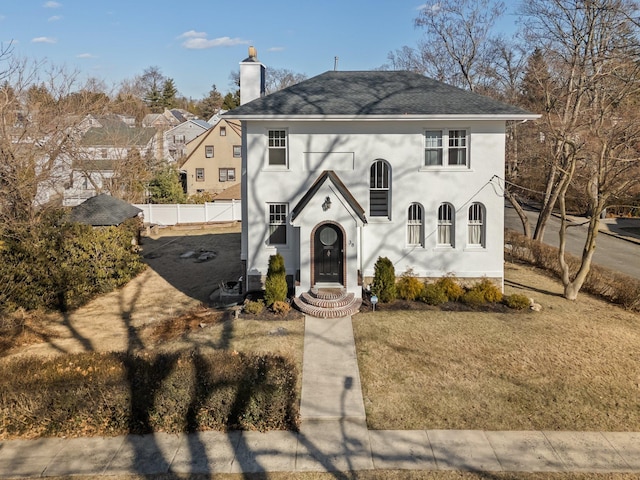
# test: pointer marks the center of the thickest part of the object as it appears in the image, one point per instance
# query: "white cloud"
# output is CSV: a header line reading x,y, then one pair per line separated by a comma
x,y
55,18
86,55
198,41
43,40
52,4
275,49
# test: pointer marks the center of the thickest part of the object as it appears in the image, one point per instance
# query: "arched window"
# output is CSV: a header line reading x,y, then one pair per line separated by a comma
x,y
476,225
379,189
415,225
445,225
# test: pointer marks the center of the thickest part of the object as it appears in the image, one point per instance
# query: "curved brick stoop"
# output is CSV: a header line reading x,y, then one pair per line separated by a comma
x,y
328,303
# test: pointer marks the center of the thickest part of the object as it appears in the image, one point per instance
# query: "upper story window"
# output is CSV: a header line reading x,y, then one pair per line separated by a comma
x,y
277,224
227,174
199,174
476,225
178,138
379,189
208,151
223,131
445,225
415,225
278,148
454,155
237,151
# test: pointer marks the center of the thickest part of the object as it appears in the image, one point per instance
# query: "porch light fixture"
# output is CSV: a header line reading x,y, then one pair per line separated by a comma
x,y
327,204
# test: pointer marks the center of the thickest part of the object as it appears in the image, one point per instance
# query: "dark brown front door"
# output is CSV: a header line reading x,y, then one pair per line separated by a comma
x,y
328,254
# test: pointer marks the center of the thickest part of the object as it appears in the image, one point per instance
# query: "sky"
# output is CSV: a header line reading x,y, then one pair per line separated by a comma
x,y
199,43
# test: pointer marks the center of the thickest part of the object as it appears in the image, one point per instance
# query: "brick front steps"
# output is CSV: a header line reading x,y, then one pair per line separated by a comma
x,y
328,303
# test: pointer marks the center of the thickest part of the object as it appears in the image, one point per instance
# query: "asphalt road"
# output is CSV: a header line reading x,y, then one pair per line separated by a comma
x,y
611,252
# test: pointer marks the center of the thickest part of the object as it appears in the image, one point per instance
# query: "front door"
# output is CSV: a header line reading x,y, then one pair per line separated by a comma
x,y
328,254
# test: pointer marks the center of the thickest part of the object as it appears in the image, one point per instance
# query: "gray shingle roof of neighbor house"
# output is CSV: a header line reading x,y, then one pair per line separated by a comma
x,y
103,210
376,93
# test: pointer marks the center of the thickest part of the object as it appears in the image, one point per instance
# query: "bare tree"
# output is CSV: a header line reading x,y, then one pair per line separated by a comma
x,y
591,127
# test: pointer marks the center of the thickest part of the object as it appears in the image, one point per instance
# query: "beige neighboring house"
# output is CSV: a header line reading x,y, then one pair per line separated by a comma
x,y
213,159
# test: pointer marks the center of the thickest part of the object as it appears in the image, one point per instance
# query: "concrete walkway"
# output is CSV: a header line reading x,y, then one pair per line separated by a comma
x,y
333,437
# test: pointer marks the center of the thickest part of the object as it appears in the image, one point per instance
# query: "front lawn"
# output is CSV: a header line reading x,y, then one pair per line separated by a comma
x,y
572,366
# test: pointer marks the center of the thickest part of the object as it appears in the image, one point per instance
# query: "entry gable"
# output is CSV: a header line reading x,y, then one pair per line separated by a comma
x,y
349,201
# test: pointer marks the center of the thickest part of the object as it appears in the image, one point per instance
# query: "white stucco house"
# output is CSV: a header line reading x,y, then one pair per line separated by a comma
x,y
348,166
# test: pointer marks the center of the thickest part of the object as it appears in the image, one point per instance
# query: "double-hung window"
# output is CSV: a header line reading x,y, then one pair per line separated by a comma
x,y
277,224
278,148
226,174
415,225
445,225
476,225
237,151
208,151
379,189
199,174
446,148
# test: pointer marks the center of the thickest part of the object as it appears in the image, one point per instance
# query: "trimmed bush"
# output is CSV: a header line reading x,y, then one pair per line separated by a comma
x,y
253,307
451,288
408,287
473,298
118,393
490,290
384,280
516,301
280,308
433,294
276,288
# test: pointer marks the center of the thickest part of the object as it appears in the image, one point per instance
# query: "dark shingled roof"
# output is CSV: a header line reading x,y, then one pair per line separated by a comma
x,y
103,210
393,93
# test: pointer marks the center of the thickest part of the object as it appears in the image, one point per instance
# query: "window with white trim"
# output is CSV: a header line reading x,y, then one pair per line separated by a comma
x,y
476,225
223,131
445,225
237,151
379,189
199,174
226,174
208,151
415,225
446,148
277,224
278,148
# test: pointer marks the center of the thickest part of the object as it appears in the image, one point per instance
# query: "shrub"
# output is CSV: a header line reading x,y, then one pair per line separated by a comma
x,y
253,307
281,308
433,294
452,289
489,289
119,393
276,283
408,287
384,280
517,301
473,298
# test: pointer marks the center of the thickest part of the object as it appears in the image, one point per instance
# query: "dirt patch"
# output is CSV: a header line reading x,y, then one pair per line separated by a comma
x,y
169,288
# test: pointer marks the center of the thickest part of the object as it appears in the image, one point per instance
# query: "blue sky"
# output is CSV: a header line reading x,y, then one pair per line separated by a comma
x,y
200,42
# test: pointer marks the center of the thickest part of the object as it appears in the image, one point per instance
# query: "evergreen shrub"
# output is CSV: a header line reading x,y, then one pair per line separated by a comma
x,y
408,287
384,280
276,288
433,294
516,301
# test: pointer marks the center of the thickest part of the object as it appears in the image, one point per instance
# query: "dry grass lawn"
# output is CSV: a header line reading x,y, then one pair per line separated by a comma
x,y
572,366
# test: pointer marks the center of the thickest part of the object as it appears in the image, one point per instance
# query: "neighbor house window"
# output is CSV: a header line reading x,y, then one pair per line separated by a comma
x,y
178,139
446,148
379,192
277,224
278,147
476,225
199,174
433,147
227,174
237,151
415,224
208,151
223,131
445,225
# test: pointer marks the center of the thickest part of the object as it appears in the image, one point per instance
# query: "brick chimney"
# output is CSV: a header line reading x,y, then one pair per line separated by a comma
x,y
252,77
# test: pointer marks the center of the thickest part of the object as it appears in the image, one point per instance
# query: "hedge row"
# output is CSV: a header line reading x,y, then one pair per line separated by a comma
x,y
117,393
58,265
606,283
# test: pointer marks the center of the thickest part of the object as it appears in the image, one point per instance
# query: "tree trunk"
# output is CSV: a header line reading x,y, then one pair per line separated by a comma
x,y
513,200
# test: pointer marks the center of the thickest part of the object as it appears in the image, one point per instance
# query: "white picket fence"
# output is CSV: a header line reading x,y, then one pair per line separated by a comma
x,y
174,214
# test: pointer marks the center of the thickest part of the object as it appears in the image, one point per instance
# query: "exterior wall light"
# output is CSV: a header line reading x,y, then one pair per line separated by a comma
x,y
327,204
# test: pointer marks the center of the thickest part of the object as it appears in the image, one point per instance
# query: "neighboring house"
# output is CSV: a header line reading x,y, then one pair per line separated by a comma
x,y
102,153
176,138
214,159
346,167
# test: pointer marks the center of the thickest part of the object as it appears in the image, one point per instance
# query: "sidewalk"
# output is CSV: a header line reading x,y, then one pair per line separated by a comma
x,y
333,437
